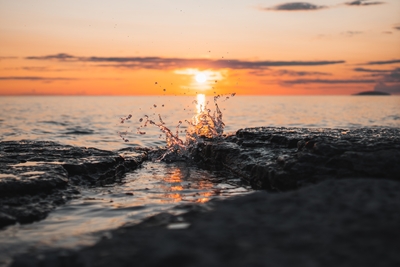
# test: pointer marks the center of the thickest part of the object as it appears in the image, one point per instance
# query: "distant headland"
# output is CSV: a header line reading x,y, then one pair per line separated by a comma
x,y
372,93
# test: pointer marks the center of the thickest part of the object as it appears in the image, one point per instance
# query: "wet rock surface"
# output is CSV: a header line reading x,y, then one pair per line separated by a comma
x,y
352,222
332,199
36,177
283,159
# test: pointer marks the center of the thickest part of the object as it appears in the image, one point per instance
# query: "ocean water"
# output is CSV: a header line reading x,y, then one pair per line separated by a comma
x,y
95,121
113,123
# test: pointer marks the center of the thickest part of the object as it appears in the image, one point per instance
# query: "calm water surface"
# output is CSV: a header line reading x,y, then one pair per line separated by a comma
x,y
95,121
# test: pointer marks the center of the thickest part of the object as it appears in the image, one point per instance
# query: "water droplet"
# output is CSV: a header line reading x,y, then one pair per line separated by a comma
x,y
155,105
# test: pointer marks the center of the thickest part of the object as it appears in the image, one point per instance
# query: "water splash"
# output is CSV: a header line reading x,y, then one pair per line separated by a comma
x,y
206,124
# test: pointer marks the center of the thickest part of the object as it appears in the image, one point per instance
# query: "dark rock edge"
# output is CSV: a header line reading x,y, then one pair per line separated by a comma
x,y
38,176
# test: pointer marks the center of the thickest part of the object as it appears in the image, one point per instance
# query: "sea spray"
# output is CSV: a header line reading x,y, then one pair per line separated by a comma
x,y
206,124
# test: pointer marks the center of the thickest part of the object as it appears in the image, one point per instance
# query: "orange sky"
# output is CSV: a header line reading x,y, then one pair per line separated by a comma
x,y
158,47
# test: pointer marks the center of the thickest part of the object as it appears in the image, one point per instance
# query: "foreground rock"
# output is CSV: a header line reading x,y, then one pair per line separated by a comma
x,y
352,222
341,208
286,158
36,177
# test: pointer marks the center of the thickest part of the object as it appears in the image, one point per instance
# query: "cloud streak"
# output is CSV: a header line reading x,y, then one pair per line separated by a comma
x,y
34,78
161,63
394,61
321,81
364,3
370,70
291,73
293,6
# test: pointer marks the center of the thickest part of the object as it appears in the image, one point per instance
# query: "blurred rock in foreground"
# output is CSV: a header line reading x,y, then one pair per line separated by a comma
x,y
352,222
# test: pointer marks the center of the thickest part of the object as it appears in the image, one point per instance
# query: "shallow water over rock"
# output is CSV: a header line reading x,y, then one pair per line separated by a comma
x,y
153,188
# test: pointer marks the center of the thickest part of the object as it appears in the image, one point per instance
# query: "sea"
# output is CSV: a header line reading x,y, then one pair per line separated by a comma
x,y
117,122
95,121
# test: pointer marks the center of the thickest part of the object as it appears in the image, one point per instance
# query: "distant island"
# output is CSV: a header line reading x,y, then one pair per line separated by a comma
x,y
372,93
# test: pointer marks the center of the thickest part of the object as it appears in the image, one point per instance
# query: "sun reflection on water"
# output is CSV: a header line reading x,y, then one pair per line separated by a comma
x,y
201,103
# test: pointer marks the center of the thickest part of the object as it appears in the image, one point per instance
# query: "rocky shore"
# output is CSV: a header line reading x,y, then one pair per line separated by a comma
x,y
329,197
36,177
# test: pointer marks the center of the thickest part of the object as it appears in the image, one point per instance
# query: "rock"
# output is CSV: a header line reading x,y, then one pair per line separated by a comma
x,y
36,177
6,219
283,159
351,222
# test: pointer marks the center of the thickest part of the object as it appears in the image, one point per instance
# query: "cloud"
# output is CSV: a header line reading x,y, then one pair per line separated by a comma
x,y
161,63
391,89
321,81
58,57
35,78
351,33
393,76
383,76
397,27
4,58
286,73
294,6
394,61
364,3
370,70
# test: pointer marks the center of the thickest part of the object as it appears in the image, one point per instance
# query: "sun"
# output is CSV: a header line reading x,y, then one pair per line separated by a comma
x,y
201,77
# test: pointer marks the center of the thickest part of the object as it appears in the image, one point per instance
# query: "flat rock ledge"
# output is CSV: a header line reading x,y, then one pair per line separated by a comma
x,y
36,177
282,159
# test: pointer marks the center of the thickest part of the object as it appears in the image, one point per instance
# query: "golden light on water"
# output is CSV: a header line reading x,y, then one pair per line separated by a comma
x,y
201,102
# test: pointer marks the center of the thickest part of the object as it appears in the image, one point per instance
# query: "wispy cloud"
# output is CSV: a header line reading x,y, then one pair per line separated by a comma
x,y
352,33
383,87
321,81
392,75
161,63
58,57
293,6
35,78
394,61
371,70
364,3
397,27
291,73
4,58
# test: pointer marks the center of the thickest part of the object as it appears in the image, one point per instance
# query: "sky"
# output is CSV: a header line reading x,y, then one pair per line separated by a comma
x,y
185,47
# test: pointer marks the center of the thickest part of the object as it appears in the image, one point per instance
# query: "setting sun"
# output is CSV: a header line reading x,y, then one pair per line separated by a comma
x,y
201,77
